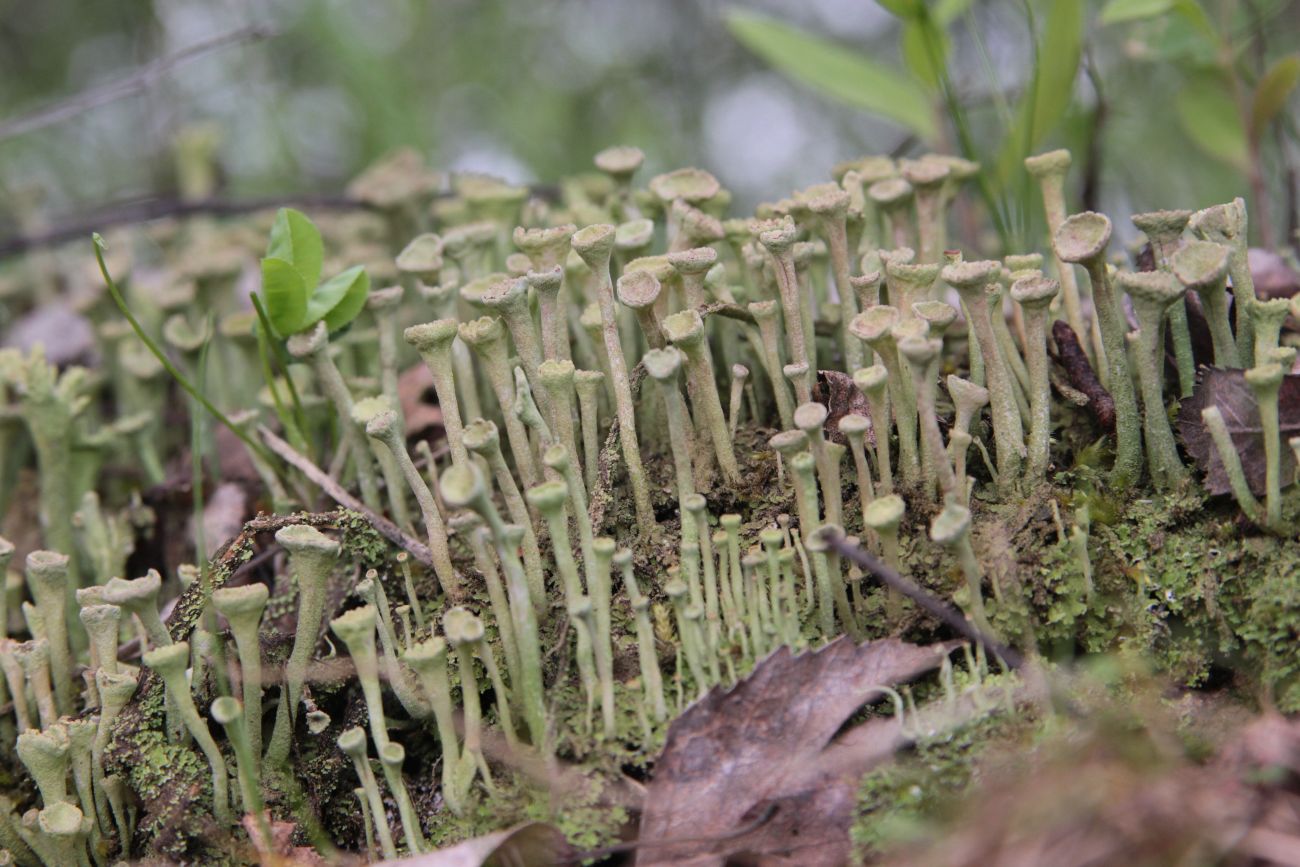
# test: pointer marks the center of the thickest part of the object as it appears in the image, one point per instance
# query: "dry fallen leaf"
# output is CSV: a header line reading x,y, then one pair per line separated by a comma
x,y
1228,390
1272,276
413,386
533,844
838,393
764,754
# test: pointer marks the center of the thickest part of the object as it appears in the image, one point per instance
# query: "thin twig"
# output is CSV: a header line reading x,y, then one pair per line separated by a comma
x,y
937,608
133,83
339,494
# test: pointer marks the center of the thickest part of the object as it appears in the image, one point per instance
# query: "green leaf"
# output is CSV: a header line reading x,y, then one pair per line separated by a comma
x,y
285,294
1119,11
836,71
1051,91
339,299
296,240
925,51
1191,11
1272,92
946,11
1209,117
902,8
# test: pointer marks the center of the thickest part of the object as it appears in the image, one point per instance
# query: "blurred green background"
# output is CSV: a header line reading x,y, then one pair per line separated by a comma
x,y
1165,103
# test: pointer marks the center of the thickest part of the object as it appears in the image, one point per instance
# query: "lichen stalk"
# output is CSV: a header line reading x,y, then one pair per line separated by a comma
x,y
765,313
463,488
685,330
242,607
1212,416
1228,224
874,328
486,337
353,743
951,528
1082,240
483,439
385,427
1202,266
433,341
1164,229
1050,169
594,244
1152,294
1034,294
971,280
313,347
170,663
647,656
47,579
1266,382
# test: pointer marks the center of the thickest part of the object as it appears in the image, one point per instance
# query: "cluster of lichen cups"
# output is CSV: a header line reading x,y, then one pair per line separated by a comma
x,y
531,367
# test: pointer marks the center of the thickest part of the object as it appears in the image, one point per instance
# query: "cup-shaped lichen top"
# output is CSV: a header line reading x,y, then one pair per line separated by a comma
x,y
460,486
684,328
890,193
431,336
1082,237
1157,289
638,289
546,247
241,605
1201,264
951,525
422,257
170,659
696,260
690,185
620,161
462,626
594,244
873,326
967,276
884,513
1055,162
1034,292
663,365
938,315
140,597
871,380
308,546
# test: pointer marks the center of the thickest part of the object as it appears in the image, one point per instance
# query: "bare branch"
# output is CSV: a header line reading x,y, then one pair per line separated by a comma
x,y
123,87
339,494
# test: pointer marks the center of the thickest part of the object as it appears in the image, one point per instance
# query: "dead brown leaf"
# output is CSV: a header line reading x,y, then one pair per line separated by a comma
x,y
412,386
1228,390
534,844
841,397
1272,276
765,754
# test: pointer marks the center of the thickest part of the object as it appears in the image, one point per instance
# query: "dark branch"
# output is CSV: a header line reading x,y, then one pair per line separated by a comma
x,y
156,208
937,608
133,83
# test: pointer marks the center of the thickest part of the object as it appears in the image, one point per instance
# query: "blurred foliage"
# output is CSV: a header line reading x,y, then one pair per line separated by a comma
x,y
1231,70
1165,103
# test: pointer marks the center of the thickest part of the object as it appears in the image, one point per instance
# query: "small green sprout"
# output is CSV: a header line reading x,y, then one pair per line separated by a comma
x,y
292,293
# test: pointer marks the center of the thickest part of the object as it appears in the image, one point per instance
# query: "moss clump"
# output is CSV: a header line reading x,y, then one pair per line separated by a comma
x,y
900,801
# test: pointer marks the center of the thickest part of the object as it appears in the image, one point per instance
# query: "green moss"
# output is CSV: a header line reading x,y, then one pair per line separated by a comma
x,y
902,800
